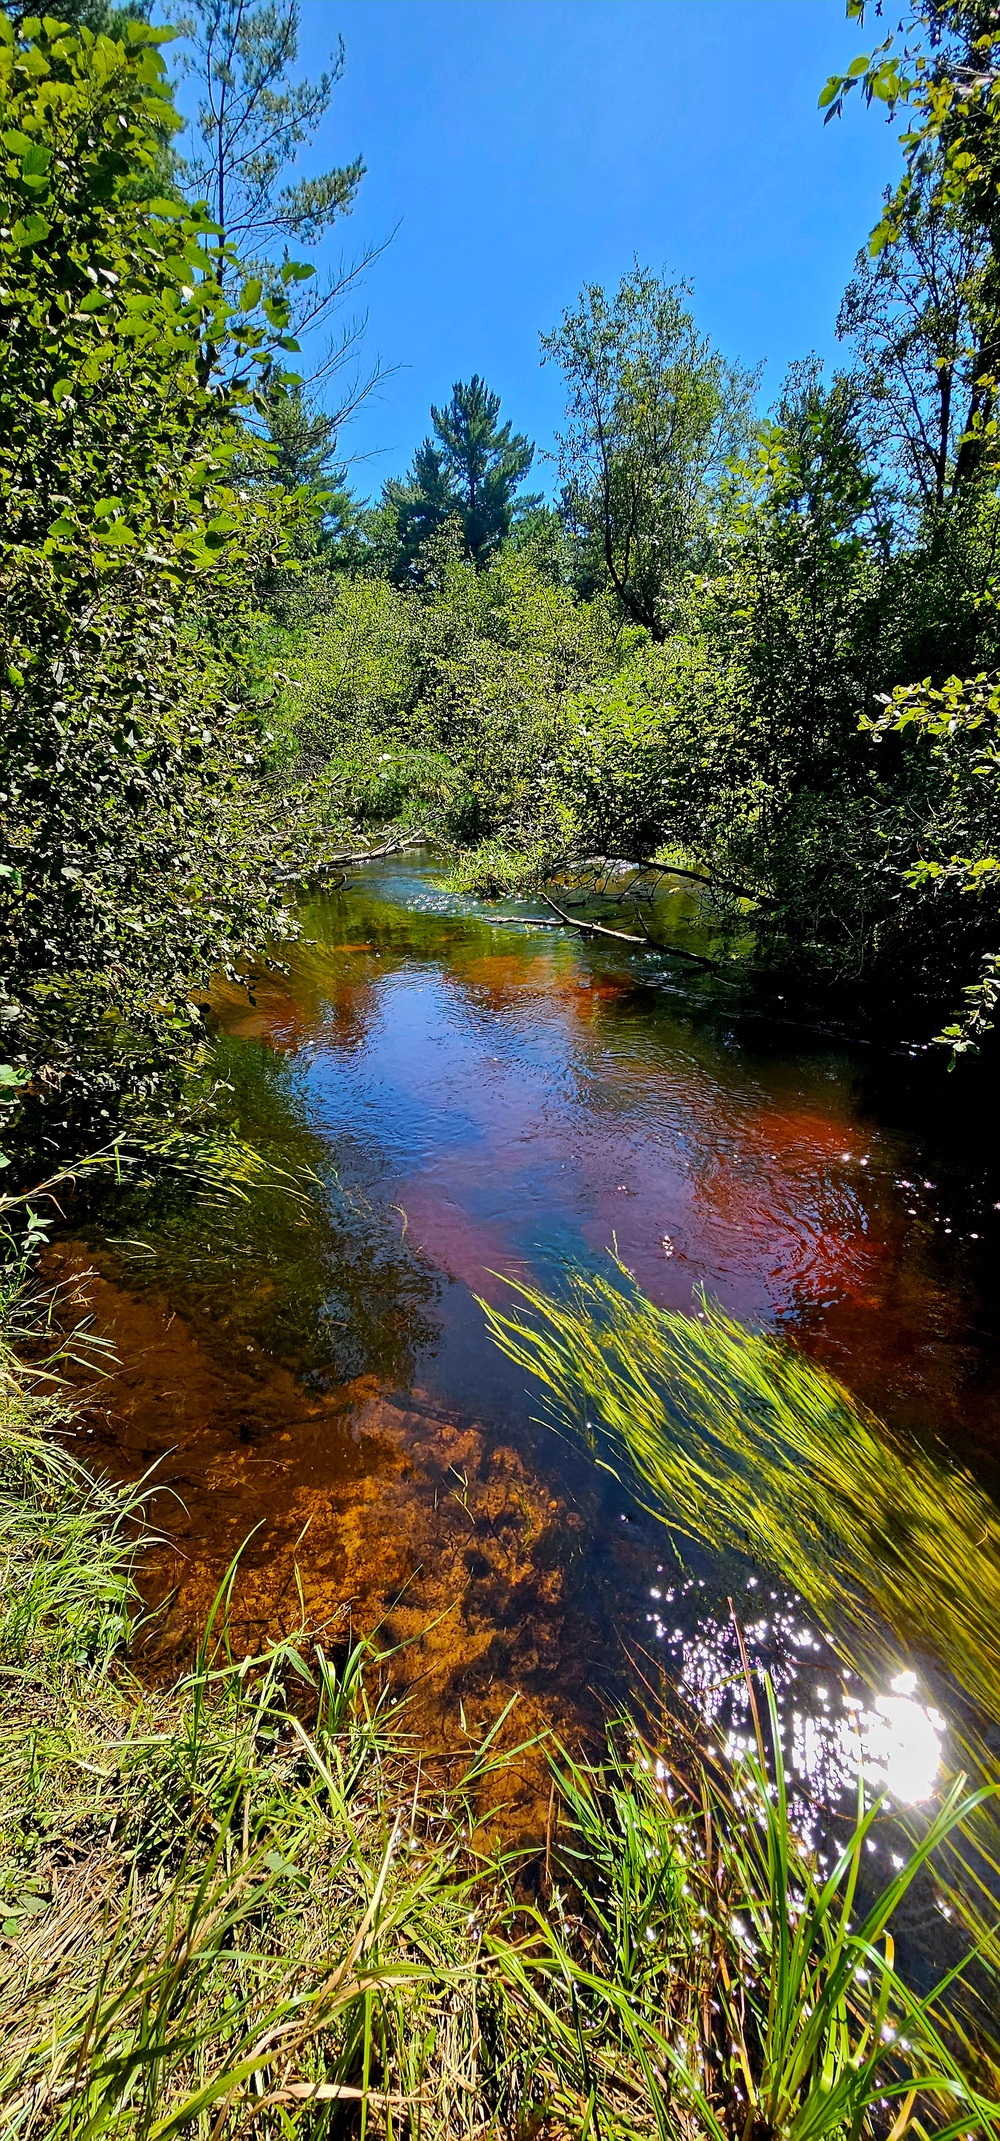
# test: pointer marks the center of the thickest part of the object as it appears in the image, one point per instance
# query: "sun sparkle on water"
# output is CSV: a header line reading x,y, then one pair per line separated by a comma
x,y
831,1734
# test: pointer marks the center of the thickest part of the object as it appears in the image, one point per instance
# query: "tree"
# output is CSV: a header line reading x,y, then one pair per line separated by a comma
x,y
482,464
414,511
941,65
653,415
251,120
470,476
135,841
292,451
917,317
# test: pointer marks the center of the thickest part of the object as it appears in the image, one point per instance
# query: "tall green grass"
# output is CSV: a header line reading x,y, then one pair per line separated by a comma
x,y
703,1976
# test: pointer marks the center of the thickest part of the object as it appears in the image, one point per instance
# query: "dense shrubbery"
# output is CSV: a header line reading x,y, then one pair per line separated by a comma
x,y
451,701
140,843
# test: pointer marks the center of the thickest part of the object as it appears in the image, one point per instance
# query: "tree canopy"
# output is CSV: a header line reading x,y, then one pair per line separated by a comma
x,y
470,471
653,414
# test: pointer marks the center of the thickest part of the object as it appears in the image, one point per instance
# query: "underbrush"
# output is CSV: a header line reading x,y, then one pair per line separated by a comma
x,y
494,868
250,1903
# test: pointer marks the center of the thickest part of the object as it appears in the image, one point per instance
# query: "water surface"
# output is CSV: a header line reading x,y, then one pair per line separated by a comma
x,y
474,1100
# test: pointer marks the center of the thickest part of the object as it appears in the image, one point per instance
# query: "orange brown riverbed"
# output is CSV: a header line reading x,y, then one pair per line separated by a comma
x,y
312,1375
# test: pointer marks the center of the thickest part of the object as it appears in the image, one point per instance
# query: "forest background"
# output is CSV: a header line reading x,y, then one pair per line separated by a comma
x,y
760,650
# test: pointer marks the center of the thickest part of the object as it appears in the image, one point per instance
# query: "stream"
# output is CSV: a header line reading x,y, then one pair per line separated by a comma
x,y
310,1374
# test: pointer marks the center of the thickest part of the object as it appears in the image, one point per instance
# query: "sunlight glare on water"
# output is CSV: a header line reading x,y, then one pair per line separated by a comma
x,y
902,1743
832,1729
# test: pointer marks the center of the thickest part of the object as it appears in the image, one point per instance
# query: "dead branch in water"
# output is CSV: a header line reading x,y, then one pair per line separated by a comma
x,y
375,854
625,936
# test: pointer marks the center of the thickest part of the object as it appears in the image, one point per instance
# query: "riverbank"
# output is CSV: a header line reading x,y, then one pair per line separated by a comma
x,y
250,1901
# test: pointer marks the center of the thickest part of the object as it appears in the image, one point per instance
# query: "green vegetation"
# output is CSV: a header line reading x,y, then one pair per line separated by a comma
x,y
735,641
470,476
736,1441
740,1441
248,1903
779,613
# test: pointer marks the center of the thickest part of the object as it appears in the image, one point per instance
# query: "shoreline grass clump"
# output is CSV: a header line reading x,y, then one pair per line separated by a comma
x,y
250,1903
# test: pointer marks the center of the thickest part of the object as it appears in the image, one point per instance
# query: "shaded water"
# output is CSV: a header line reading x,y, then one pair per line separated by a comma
x,y
474,1100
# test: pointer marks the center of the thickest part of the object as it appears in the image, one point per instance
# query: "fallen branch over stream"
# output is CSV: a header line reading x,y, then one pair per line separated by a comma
x,y
317,874
600,929
626,936
375,854
698,877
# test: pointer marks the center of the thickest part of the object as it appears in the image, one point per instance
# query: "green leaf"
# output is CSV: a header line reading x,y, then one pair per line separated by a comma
x,y
19,144
30,1905
275,1863
30,230
251,294
61,389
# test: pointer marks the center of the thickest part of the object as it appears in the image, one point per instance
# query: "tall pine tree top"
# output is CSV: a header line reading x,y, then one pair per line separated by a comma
x,y
483,462
470,475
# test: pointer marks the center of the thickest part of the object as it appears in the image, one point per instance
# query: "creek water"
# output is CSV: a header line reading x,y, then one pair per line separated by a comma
x,y
311,1374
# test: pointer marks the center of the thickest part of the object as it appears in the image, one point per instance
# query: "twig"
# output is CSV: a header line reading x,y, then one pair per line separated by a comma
x,y
374,854
626,936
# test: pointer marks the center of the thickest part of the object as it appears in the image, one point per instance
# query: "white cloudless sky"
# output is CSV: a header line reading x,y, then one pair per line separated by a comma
x,y
518,148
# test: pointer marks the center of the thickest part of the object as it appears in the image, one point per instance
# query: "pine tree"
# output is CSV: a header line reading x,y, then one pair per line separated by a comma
x,y
470,476
418,509
483,463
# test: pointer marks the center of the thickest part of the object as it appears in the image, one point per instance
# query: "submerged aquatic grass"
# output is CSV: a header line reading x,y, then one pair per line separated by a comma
x,y
737,1440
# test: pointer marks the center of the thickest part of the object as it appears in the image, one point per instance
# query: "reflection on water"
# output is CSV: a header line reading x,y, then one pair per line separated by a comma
x,y
472,1100
902,1743
833,1730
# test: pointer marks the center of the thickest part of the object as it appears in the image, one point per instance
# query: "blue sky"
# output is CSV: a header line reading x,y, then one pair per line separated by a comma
x,y
525,146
